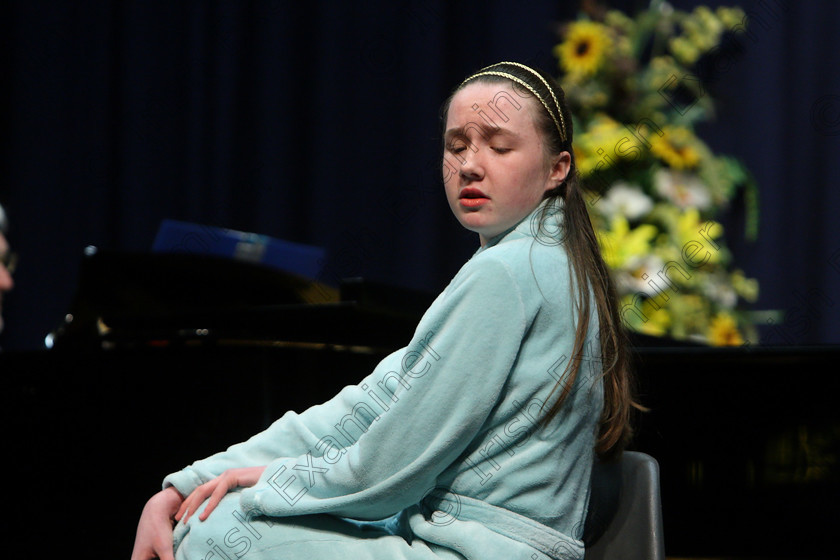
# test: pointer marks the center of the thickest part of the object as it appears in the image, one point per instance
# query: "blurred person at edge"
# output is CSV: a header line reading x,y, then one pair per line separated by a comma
x,y
6,262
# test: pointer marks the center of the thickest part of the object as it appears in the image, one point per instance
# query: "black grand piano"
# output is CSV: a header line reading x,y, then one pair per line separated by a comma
x,y
165,358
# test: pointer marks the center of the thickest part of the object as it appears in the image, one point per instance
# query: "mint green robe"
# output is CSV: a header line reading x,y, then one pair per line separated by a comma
x,y
440,443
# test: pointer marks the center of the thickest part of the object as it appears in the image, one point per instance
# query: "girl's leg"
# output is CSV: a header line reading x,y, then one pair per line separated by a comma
x,y
228,534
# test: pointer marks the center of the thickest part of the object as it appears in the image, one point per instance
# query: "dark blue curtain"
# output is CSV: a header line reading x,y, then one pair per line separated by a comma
x,y
318,123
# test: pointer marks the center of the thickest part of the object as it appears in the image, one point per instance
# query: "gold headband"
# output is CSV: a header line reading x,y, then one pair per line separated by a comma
x,y
561,128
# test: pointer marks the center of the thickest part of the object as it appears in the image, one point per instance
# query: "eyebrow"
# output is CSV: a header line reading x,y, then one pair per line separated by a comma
x,y
484,131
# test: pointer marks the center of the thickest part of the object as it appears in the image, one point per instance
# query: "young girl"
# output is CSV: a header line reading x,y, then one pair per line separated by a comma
x,y
477,439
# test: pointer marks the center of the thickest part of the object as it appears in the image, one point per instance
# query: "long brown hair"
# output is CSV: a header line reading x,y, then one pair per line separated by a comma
x,y
587,266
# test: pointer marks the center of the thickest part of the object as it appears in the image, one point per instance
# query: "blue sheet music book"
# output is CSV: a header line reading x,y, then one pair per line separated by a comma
x,y
183,237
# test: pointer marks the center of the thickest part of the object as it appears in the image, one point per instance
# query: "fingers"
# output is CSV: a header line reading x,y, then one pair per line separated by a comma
x,y
187,508
218,493
215,490
190,505
181,511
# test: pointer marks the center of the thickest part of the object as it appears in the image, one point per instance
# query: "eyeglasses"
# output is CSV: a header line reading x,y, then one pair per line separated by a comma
x,y
9,262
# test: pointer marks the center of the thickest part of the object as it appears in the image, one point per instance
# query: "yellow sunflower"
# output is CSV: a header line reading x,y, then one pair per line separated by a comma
x,y
620,243
690,229
677,147
585,48
723,331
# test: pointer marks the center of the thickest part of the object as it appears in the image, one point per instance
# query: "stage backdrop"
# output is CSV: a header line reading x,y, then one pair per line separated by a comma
x,y
319,124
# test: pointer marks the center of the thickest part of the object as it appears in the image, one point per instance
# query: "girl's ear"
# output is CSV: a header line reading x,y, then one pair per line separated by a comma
x,y
561,164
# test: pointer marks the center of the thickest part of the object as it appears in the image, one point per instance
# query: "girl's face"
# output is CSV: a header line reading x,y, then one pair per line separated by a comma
x,y
495,173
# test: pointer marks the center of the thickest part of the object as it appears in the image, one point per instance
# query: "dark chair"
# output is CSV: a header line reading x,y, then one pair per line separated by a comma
x,y
624,521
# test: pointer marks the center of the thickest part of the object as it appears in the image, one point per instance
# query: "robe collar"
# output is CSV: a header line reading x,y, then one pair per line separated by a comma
x,y
548,214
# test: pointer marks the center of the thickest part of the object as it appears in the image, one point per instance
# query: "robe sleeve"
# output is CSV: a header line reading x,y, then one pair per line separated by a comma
x,y
378,446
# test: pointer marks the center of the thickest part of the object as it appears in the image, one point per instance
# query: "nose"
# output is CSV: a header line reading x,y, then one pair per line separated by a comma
x,y
471,167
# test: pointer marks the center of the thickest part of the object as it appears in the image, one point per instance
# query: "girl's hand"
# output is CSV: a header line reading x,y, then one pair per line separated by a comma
x,y
216,490
154,531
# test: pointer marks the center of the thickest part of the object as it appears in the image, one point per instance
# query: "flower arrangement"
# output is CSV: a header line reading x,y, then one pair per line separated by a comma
x,y
655,188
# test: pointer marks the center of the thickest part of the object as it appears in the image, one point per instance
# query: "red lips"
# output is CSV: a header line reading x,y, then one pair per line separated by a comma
x,y
471,197
471,192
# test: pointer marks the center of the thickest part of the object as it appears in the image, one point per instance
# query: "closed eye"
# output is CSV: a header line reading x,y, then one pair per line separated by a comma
x,y
500,150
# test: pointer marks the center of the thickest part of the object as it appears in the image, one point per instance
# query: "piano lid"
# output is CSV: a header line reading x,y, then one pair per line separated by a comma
x,y
130,299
